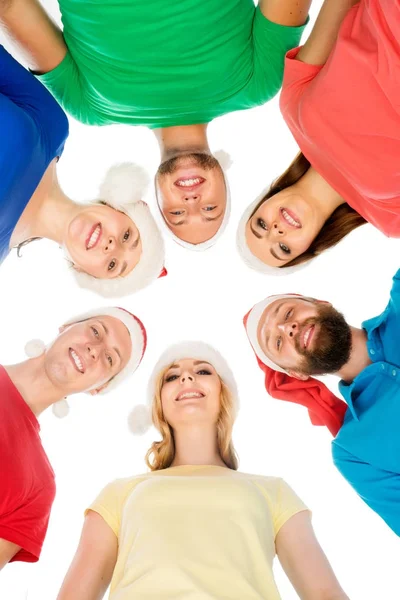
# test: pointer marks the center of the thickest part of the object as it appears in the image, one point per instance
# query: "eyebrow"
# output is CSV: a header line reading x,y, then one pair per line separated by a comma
x,y
255,232
196,362
212,218
267,336
125,264
106,331
276,256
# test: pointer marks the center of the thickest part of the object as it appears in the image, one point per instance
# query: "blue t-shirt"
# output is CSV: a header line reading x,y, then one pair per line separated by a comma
x,y
33,129
367,448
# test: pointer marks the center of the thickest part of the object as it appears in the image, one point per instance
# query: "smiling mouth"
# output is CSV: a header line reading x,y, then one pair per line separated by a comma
x,y
189,395
189,183
94,236
76,361
290,218
307,336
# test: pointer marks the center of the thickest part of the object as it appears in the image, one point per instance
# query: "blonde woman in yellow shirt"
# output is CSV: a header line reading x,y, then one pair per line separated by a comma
x,y
194,527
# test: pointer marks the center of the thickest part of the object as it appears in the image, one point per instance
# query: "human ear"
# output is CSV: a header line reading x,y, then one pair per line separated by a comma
x,y
98,390
297,375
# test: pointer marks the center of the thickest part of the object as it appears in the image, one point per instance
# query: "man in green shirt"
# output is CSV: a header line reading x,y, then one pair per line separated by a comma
x,y
172,66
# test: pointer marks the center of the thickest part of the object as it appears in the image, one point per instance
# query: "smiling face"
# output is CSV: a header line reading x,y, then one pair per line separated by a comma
x,y
103,242
191,194
88,354
190,393
283,227
304,336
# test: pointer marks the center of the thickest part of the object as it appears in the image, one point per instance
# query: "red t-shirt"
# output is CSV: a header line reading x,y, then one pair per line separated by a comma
x,y
27,486
345,115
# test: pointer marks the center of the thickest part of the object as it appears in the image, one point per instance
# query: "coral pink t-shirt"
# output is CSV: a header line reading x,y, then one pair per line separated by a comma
x,y
345,115
27,486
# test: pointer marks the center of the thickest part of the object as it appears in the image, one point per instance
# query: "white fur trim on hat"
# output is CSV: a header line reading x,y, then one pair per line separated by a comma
x,y
34,348
225,162
249,258
122,189
60,409
140,417
138,339
252,326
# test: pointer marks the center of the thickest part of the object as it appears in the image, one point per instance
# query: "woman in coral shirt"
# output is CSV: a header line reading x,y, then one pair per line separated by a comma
x,y
340,99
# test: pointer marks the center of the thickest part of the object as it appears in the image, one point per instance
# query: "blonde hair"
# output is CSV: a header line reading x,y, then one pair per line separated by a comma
x,y
161,454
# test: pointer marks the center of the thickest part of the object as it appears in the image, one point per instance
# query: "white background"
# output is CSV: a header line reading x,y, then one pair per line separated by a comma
x,y
204,297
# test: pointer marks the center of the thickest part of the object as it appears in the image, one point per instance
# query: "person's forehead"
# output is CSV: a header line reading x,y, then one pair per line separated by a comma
x,y
197,232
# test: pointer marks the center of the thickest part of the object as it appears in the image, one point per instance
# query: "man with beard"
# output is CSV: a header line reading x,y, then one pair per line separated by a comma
x,y
170,66
295,337
93,353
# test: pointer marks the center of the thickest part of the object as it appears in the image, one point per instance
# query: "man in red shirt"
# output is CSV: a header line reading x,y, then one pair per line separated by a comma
x,y
93,353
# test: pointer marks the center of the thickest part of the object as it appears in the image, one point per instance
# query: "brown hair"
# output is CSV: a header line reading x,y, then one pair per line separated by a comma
x,y
341,222
161,454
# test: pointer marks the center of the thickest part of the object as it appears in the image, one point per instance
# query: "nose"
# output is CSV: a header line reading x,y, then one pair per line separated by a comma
x,y
186,376
109,243
290,329
188,197
278,229
93,352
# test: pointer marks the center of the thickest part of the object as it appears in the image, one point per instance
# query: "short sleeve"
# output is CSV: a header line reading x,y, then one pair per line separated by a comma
x,y
110,502
66,85
296,78
287,505
27,524
271,42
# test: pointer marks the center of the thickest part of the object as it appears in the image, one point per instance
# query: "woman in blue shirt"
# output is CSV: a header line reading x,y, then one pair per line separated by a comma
x,y
113,244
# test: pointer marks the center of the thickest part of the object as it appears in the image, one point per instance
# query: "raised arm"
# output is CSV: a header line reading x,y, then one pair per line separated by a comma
x,y
323,36
31,28
7,551
292,13
92,567
304,561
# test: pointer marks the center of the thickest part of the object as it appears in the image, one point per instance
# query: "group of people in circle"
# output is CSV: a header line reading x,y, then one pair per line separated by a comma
x,y
139,63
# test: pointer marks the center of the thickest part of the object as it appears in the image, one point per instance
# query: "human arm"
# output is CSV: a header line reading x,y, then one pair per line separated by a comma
x,y
7,551
285,12
304,561
34,32
92,567
322,38
378,488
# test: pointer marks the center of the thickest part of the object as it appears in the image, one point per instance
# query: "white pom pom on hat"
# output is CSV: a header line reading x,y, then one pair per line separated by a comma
x,y
248,257
122,189
225,162
140,418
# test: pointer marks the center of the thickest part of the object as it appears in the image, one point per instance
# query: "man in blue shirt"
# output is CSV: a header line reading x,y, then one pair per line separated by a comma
x,y
295,337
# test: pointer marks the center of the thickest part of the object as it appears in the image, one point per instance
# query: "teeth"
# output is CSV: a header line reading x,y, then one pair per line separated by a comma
x,y
188,182
306,336
289,219
77,360
94,237
190,395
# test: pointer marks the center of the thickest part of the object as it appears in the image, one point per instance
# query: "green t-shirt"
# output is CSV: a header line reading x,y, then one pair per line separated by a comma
x,y
163,62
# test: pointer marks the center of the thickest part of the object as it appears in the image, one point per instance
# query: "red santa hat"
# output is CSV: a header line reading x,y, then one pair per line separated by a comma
x,y
136,331
140,418
324,408
248,257
225,163
122,189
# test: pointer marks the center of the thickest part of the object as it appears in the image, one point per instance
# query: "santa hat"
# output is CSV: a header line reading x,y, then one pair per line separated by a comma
x,y
122,189
249,258
324,408
140,418
136,331
225,163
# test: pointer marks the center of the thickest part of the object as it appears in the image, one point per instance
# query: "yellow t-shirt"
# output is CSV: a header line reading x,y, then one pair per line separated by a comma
x,y
196,533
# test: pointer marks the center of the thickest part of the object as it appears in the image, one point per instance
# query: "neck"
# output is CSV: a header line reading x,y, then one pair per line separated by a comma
x,y
359,357
33,384
196,445
182,139
324,197
48,213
